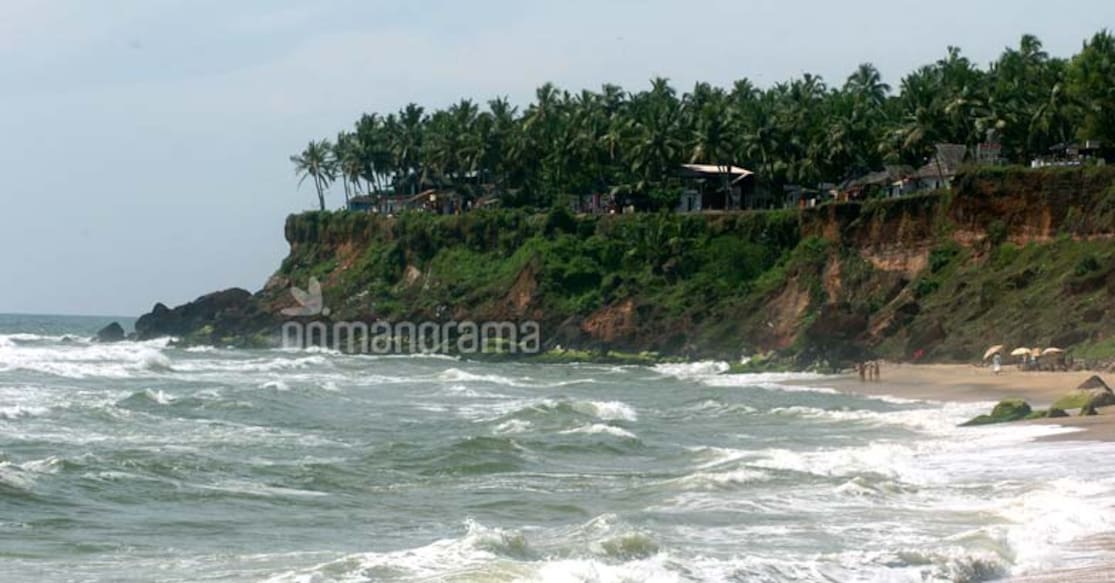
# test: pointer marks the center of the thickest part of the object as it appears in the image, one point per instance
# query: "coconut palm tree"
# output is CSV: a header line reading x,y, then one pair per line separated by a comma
x,y
801,130
315,162
349,162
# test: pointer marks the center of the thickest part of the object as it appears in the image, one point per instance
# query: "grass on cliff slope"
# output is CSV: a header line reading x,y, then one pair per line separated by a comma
x,y
1047,294
731,281
681,264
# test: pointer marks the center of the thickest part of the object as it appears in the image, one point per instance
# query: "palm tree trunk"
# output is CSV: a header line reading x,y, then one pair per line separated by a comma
x,y
320,194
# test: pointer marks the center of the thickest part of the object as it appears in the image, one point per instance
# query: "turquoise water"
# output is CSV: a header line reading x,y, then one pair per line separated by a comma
x,y
140,462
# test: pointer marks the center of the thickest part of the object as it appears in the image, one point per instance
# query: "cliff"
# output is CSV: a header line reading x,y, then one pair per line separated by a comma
x,y
1010,255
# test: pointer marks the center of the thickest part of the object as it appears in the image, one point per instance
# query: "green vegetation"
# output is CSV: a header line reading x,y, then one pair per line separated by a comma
x,y
1011,256
801,131
571,356
681,264
1006,410
1073,400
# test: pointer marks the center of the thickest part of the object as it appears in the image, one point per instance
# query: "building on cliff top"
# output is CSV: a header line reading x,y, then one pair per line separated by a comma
x,y
885,183
431,200
939,171
1075,154
712,187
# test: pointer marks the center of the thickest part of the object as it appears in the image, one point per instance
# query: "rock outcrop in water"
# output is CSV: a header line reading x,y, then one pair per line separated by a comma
x,y
114,332
231,316
1014,256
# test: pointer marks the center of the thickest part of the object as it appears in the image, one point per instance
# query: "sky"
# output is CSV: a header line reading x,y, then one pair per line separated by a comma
x,y
144,144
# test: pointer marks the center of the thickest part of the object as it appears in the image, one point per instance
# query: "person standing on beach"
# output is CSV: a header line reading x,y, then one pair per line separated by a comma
x,y
862,368
875,370
997,364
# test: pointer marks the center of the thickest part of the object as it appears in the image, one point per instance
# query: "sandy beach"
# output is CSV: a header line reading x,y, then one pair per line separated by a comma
x,y
958,382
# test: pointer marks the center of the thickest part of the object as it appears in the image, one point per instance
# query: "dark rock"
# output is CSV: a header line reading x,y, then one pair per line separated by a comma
x,y
1078,398
1056,413
226,317
834,336
114,332
1005,410
1071,337
1011,408
1095,382
1093,391
569,334
1099,398
925,339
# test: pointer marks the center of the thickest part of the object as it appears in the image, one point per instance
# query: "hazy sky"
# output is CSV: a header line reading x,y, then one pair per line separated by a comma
x,y
144,143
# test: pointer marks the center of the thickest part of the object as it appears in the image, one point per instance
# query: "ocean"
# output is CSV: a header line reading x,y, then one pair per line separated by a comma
x,y
143,462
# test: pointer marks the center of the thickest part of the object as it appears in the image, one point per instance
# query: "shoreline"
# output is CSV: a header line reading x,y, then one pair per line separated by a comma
x,y
968,383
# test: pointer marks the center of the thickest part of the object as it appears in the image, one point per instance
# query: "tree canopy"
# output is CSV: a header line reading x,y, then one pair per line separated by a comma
x,y
800,131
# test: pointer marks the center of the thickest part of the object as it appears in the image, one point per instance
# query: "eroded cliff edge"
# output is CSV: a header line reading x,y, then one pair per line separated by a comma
x,y
1009,255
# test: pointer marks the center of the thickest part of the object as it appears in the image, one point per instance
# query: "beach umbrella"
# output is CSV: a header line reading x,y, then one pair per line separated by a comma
x,y
992,351
1020,352
1051,350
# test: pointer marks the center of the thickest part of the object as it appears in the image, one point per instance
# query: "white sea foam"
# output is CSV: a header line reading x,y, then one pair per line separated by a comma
x,y
1046,520
255,365
155,361
256,489
158,396
512,426
82,360
23,476
456,375
607,410
725,479
938,420
481,548
602,429
18,411
691,370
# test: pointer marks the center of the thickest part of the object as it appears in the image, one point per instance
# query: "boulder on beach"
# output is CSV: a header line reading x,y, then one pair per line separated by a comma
x,y
1092,391
1095,382
1056,413
114,332
1005,410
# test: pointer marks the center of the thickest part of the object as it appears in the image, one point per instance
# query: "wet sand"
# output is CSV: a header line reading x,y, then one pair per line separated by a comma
x,y
957,382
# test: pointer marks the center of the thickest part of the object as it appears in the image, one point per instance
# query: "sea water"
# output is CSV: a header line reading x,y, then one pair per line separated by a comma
x,y
142,462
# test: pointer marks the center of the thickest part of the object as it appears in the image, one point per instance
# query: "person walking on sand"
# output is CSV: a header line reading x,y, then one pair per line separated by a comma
x,y
997,364
875,370
862,368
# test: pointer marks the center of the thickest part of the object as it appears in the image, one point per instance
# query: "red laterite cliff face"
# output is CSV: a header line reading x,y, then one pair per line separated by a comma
x,y
1009,255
